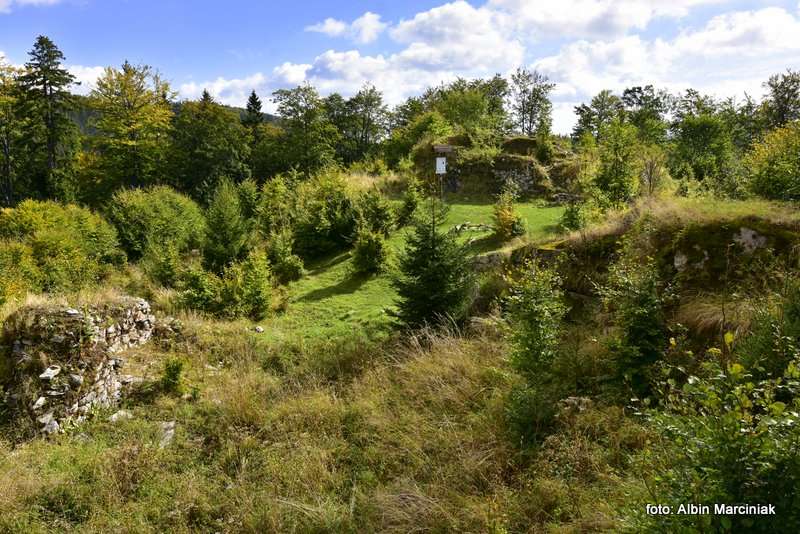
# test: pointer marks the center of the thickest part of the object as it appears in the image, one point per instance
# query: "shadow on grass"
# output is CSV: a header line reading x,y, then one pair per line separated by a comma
x,y
318,266
484,244
348,285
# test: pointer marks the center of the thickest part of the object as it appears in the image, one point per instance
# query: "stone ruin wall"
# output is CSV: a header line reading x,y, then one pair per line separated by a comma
x,y
64,362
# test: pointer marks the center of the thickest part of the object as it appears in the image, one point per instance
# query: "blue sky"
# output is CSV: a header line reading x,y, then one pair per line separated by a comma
x,y
722,47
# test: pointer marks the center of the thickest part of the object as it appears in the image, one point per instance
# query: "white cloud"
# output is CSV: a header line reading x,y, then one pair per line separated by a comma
x,y
729,54
589,18
749,33
291,73
457,37
6,5
331,27
232,92
86,76
732,54
365,29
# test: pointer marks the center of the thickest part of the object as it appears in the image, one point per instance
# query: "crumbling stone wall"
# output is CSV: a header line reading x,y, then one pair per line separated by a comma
x,y
64,362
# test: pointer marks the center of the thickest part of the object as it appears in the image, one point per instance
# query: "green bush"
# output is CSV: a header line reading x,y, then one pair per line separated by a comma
x,y
326,216
71,246
158,218
773,164
276,208
774,336
579,215
249,197
286,266
375,212
412,197
435,278
201,290
531,413
243,290
637,298
507,223
370,252
247,288
727,438
19,272
163,263
171,376
227,230
536,308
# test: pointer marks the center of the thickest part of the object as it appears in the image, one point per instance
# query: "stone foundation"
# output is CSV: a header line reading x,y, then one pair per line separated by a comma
x,y
63,361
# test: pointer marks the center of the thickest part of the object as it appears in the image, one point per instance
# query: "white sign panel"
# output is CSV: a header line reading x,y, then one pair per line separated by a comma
x,y
441,165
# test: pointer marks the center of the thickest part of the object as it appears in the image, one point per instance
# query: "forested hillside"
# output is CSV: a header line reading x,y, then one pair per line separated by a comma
x,y
219,320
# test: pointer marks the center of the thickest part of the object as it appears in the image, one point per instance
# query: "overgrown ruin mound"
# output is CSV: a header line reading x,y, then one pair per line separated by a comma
x,y
62,362
696,246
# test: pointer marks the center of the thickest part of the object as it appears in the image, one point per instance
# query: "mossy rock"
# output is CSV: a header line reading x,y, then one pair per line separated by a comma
x,y
522,146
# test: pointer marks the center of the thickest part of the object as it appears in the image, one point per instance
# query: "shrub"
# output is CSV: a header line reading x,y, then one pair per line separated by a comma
x,y
412,197
243,290
370,252
579,215
728,439
157,218
71,246
774,164
201,290
227,232
435,273
163,263
617,177
247,288
531,412
286,266
171,376
774,336
19,272
326,216
276,208
536,308
248,198
375,212
507,223
637,298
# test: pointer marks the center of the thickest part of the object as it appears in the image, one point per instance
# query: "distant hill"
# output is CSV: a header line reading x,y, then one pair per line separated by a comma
x,y
83,114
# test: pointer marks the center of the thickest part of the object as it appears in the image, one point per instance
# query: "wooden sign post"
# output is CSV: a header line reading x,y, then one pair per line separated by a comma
x,y
441,164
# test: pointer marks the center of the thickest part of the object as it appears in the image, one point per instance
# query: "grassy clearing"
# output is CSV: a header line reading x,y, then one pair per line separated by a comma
x,y
331,300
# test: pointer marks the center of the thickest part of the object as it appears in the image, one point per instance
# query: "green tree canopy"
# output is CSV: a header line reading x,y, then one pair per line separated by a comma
x,y
133,124
50,135
209,142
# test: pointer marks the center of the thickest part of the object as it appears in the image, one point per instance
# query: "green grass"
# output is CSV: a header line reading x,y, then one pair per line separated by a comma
x,y
331,300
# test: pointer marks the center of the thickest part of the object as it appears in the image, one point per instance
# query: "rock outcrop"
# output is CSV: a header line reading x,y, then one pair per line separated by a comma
x,y
64,362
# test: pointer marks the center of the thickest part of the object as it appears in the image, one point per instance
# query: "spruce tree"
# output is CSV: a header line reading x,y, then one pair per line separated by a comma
x,y
227,230
435,276
51,135
253,115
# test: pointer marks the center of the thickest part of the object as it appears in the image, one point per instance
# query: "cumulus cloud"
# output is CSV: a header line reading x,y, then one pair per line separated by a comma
x,y
86,78
291,73
232,92
6,5
459,37
365,29
599,47
732,54
589,18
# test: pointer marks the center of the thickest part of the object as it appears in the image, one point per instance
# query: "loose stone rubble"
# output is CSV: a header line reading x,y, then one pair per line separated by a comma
x,y
66,362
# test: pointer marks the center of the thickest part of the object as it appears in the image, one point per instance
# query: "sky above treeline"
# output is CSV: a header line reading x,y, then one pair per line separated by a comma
x,y
721,47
